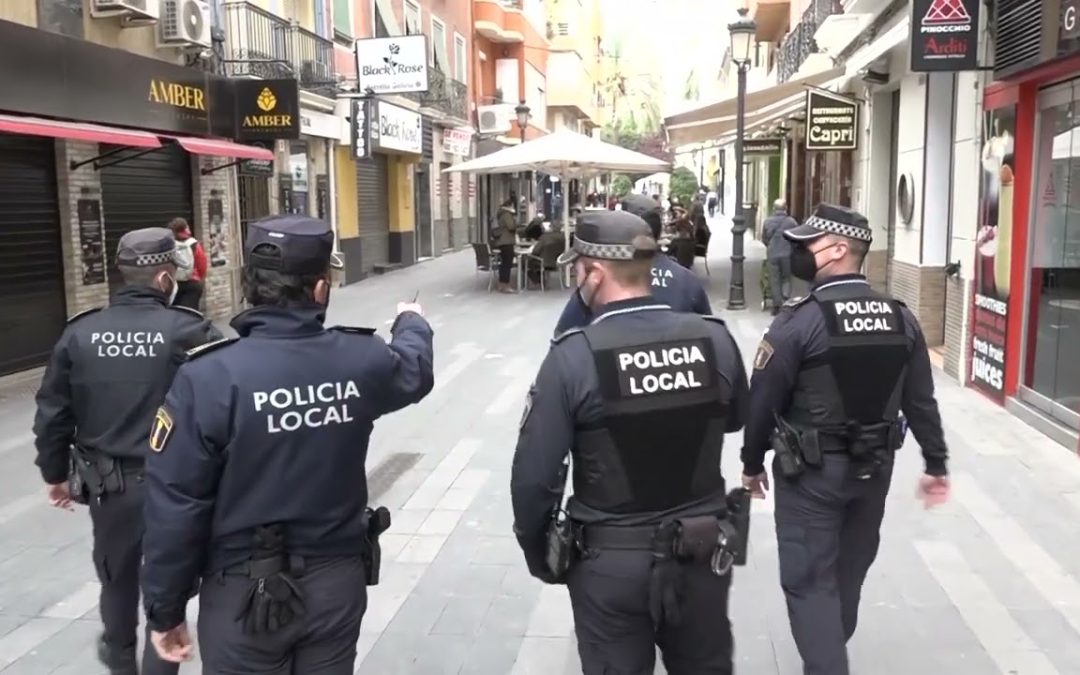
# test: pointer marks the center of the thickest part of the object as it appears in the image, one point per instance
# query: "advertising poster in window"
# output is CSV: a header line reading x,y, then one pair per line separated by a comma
x,y
992,254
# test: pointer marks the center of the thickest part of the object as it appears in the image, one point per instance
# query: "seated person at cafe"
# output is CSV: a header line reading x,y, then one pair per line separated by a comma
x,y
547,248
534,229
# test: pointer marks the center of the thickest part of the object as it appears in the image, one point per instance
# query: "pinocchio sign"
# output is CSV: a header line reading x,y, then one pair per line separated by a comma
x,y
944,35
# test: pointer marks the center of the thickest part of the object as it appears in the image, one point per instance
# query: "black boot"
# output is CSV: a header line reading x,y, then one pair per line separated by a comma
x,y
120,661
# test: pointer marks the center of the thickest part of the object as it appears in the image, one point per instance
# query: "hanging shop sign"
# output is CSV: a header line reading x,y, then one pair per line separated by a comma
x,y
393,65
944,35
832,121
267,109
990,311
758,147
396,129
361,113
457,141
262,168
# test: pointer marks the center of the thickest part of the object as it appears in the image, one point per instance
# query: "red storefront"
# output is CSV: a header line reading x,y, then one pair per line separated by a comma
x,y
1026,313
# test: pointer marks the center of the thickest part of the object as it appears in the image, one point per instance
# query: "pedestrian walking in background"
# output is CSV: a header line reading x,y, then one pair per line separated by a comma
x,y
778,253
191,265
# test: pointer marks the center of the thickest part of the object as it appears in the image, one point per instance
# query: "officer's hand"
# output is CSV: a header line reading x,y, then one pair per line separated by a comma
x,y
933,490
403,307
60,496
174,645
757,485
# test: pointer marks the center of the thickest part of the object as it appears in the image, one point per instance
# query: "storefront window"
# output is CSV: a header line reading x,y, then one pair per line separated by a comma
x,y
1053,345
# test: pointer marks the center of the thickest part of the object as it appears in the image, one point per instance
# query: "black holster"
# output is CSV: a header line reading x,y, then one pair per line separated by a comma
x,y
665,581
376,522
95,474
785,443
274,599
738,514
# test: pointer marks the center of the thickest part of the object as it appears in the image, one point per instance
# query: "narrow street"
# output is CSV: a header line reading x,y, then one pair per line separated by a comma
x,y
988,584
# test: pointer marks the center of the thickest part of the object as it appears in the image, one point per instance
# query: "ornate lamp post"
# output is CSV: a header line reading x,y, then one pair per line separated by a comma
x,y
742,40
523,114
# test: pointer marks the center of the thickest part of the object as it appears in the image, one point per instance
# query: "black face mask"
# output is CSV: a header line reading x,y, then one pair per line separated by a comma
x,y
803,263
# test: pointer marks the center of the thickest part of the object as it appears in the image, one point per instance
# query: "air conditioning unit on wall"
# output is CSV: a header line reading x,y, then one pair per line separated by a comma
x,y
184,23
495,119
145,10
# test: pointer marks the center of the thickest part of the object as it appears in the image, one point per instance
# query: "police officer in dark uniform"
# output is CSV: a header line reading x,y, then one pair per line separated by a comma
x,y
257,482
671,283
831,377
108,374
641,400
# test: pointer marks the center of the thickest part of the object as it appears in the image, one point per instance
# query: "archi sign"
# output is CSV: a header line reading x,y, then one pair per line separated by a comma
x,y
832,121
944,35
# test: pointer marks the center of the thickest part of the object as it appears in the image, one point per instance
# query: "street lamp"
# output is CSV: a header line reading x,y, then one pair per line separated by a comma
x,y
742,39
522,112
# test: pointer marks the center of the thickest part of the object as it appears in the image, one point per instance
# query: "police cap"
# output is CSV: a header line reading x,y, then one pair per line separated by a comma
x,y
291,244
610,235
645,208
831,219
147,247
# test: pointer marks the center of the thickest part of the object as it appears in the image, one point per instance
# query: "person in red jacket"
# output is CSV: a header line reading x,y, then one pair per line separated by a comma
x,y
191,265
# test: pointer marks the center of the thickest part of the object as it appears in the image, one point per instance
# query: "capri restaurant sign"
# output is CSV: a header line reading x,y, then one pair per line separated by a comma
x,y
832,121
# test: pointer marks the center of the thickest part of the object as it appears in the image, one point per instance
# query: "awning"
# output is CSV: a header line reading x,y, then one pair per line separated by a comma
x,y
220,148
717,119
892,38
77,131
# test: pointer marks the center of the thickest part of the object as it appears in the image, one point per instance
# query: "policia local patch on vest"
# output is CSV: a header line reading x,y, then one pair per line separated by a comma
x,y
663,368
863,317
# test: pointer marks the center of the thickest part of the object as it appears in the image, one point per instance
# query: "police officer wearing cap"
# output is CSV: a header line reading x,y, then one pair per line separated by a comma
x,y
640,399
831,378
256,481
108,373
670,283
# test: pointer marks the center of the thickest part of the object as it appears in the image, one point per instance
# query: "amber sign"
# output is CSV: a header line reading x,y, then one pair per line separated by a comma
x,y
267,109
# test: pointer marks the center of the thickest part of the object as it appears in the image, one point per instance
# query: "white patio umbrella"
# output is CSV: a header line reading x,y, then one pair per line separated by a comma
x,y
566,154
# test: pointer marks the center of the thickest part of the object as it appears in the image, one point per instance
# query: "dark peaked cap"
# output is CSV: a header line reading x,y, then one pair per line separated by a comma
x,y
610,235
831,219
147,247
292,245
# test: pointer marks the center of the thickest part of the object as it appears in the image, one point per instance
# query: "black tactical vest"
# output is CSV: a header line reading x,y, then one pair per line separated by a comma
x,y
658,445
857,383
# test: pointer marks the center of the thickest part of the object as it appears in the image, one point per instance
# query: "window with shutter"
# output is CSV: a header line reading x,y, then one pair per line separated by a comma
x,y
342,17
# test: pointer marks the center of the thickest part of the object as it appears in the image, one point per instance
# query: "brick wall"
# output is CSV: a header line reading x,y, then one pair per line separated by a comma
x,y
955,341
70,186
923,289
221,297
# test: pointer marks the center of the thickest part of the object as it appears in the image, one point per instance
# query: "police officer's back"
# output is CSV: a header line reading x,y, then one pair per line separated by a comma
x,y
831,377
671,283
258,481
108,373
642,399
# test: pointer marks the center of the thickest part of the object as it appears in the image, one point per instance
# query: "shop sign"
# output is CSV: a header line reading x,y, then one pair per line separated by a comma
x,y
1070,20
832,121
944,35
91,241
267,109
261,168
361,113
457,141
393,65
757,146
396,129
992,255
320,125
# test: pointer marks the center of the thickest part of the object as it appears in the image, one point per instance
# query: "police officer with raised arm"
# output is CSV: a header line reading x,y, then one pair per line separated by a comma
x,y
831,377
670,283
108,374
641,399
257,483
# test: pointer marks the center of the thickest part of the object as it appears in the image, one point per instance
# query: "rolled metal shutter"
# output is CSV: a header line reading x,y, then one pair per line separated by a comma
x,y
146,191
373,188
1017,30
33,309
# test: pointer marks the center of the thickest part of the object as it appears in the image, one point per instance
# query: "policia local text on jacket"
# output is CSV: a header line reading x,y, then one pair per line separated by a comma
x,y
831,376
258,481
108,374
641,399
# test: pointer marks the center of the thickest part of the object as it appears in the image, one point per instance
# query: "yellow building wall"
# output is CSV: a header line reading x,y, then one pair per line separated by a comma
x,y
402,217
348,219
19,11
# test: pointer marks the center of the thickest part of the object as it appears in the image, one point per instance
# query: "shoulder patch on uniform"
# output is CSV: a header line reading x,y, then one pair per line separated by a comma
x,y
714,318
189,310
202,350
357,330
764,354
162,429
78,315
528,408
565,334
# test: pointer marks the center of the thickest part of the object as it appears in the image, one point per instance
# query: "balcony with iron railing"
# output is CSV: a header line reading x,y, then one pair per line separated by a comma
x,y
446,95
799,43
261,44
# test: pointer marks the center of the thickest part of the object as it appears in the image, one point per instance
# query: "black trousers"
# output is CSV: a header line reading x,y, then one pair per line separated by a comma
x,y
118,532
779,280
322,642
827,528
188,294
609,591
506,263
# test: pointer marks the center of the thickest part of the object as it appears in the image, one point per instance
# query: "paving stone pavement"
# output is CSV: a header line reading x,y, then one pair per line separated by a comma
x,y
988,584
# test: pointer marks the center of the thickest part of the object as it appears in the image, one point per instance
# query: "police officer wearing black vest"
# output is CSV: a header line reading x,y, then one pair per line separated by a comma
x,y
108,374
671,283
257,483
831,377
641,399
